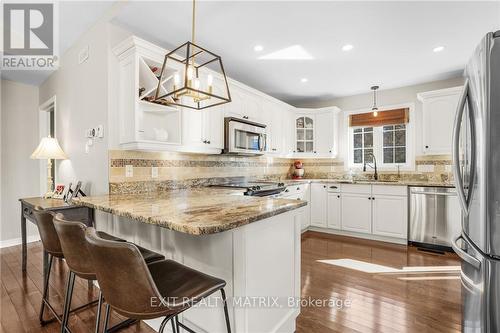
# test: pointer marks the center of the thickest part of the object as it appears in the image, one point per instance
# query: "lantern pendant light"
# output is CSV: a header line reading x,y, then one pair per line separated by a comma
x,y
374,107
187,76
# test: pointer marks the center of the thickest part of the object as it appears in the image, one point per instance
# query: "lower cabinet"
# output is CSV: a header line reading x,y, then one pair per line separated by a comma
x,y
334,210
356,212
319,204
390,216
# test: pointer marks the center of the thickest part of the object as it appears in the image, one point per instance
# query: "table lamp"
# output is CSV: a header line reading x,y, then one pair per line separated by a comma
x,y
49,149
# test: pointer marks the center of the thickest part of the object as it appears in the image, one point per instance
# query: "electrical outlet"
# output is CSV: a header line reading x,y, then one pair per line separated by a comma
x,y
129,171
154,172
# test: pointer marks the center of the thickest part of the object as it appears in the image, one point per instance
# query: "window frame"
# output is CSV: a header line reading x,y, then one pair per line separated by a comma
x,y
378,141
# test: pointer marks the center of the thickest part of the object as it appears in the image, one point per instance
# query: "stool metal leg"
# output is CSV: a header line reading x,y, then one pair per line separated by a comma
x,y
226,313
174,330
164,323
45,288
106,318
67,301
98,315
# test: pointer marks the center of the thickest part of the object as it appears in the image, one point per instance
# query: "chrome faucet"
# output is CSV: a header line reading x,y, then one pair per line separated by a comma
x,y
374,167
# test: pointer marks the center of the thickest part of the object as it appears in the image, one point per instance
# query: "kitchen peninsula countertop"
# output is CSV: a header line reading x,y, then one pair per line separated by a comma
x,y
195,211
289,182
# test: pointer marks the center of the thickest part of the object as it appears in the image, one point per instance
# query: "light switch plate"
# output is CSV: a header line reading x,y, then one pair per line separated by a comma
x,y
129,171
154,172
100,131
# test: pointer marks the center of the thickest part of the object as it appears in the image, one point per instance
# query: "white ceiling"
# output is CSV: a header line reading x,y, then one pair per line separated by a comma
x,y
393,41
75,17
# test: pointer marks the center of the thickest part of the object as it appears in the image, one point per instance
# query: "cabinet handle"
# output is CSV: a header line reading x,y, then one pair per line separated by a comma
x,y
245,117
287,190
315,152
274,149
324,186
373,198
426,147
369,198
338,196
208,142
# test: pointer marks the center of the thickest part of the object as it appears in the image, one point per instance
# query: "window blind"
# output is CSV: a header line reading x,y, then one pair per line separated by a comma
x,y
388,117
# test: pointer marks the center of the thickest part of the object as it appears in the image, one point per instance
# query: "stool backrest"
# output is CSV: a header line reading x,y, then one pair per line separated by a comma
x,y
124,277
75,246
48,234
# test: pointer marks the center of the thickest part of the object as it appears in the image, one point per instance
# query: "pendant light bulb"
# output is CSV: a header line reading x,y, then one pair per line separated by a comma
x,y
374,107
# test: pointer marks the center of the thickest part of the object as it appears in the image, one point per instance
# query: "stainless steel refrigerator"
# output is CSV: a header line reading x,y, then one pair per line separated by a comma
x,y
476,167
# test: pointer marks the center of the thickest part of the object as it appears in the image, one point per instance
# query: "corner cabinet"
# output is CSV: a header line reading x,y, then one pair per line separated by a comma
x,y
438,112
315,132
141,124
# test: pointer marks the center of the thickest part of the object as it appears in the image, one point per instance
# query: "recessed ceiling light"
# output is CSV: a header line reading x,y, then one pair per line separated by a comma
x,y
258,48
304,80
294,52
347,47
438,49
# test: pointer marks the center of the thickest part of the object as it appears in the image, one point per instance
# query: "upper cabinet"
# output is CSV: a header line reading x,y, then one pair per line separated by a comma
x,y
315,132
438,112
244,105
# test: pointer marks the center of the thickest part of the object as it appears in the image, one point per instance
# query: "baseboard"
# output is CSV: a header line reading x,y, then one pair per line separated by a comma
x,y
18,241
393,240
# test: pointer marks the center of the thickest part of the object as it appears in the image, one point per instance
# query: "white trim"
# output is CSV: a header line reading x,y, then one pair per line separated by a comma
x,y
394,240
43,129
18,241
440,93
410,136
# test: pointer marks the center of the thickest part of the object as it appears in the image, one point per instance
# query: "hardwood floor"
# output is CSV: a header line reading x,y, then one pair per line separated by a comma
x,y
380,302
390,302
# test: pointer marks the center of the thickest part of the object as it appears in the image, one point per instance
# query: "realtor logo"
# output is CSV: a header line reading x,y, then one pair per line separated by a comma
x,y
28,36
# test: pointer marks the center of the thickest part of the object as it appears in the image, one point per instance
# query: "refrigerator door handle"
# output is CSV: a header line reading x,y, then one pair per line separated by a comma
x,y
456,149
464,255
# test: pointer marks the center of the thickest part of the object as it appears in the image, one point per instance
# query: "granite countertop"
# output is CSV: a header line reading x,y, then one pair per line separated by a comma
x,y
194,211
288,182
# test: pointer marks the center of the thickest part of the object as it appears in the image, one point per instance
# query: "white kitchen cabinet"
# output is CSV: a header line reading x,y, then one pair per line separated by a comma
x,y
324,131
274,120
334,210
438,112
356,212
390,216
319,202
202,130
314,132
244,105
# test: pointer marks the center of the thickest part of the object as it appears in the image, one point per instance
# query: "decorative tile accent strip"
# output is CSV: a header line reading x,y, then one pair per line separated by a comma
x,y
183,170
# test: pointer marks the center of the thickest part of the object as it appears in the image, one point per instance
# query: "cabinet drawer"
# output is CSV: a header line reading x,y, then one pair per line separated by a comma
x,y
399,190
356,188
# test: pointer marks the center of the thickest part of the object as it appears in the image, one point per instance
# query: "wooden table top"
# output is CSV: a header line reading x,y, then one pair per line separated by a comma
x,y
46,203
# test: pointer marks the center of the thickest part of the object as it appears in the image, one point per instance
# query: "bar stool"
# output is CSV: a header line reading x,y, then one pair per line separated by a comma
x,y
51,245
129,285
72,238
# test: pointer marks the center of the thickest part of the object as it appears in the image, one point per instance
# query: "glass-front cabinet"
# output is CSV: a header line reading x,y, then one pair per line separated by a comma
x,y
304,134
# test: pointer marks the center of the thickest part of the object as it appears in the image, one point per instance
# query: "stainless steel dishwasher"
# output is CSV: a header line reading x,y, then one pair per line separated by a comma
x,y
435,217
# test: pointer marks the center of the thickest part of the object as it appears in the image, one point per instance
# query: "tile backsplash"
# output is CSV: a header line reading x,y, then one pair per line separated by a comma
x,y
182,170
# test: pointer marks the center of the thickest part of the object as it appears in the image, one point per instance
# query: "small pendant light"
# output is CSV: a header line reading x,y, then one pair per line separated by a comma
x,y
374,107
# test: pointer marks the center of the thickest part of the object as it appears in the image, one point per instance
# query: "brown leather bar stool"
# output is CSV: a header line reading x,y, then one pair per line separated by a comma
x,y
51,245
78,258
129,285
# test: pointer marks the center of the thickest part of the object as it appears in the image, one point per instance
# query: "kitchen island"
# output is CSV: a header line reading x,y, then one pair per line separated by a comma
x,y
253,243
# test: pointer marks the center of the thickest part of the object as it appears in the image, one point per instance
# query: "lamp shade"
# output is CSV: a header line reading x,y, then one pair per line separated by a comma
x,y
49,149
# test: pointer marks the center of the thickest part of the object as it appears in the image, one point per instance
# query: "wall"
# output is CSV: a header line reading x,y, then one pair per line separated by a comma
x,y
83,101
181,170
19,174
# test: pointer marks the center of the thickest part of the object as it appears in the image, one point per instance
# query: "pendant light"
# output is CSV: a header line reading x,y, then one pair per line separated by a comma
x,y
374,107
187,76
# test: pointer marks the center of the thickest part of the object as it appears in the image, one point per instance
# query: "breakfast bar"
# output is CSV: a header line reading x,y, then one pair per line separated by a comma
x,y
253,243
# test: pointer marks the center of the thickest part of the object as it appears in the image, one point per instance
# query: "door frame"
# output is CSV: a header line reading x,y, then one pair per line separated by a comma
x,y
43,130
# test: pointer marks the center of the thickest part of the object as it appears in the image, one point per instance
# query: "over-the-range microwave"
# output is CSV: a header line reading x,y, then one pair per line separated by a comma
x,y
244,137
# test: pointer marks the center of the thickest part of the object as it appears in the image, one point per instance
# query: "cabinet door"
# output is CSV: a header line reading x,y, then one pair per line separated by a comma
x,y
273,119
319,202
438,118
192,128
334,207
390,216
356,212
236,107
304,134
324,133
213,127
253,107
